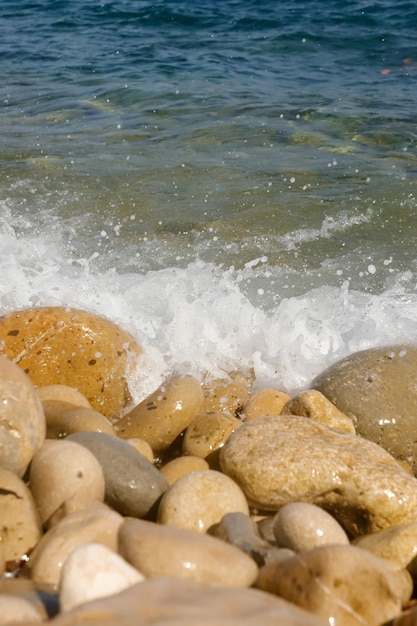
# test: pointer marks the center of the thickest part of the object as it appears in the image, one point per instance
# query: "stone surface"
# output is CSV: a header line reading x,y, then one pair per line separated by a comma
x,y
278,460
227,395
397,544
208,432
58,345
158,550
63,393
316,406
20,527
41,598
22,421
265,402
132,484
94,571
301,526
64,418
176,602
377,389
15,610
60,470
181,466
142,447
343,584
200,499
163,415
97,524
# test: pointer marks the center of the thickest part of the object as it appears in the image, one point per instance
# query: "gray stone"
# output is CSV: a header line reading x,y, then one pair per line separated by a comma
x,y
132,483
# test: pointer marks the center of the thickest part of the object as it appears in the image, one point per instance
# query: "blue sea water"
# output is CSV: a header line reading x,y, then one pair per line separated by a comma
x,y
234,182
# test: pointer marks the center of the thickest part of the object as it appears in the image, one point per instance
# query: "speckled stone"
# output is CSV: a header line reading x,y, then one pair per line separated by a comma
x,y
94,571
301,526
177,602
207,433
264,402
58,345
279,460
64,418
97,524
132,484
159,550
181,466
316,406
200,499
163,415
343,584
22,421
227,395
20,528
377,389
60,470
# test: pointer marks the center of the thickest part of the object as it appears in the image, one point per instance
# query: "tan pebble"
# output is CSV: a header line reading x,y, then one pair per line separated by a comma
x,y
22,421
227,395
397,544
208,432
58,345
20,528
63,393
407,618
97,524
182,465
342,584
94,571
161,417
265,402
316,406
63,419
15,610
60,470
301,526
170,601
279,460
200,499
158,550
143,447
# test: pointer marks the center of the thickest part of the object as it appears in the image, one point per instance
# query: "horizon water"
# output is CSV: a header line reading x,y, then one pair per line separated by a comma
x,y
233,183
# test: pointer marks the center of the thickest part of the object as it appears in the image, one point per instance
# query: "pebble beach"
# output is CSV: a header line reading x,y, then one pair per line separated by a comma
x,y
210,501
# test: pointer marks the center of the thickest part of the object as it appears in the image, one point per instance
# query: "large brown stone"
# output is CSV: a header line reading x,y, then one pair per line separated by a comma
x,y
377,388
58,345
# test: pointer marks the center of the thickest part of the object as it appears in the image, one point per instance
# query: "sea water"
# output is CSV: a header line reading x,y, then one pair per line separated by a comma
x,y
233,182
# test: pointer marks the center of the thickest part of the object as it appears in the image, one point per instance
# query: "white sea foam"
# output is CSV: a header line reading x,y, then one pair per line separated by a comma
x,y
201,319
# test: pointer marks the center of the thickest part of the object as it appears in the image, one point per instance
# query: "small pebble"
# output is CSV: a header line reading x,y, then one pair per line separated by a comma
x,y
316,406
208,432
64,418
182,465
63,393
264,402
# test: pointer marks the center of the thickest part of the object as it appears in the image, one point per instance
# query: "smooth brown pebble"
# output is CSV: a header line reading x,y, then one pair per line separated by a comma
x,y
200,499
163,415
343,584
63,393
143,447
59,345
227,395
63,418
316,406
264,402
301,526
20,528
181,466
22,420
159,550
94,571
60,470
397,544
208,432
97,524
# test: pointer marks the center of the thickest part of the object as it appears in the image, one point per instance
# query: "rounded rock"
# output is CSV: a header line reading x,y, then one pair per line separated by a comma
x,y
163,415
63,393
158,550
58,345
22,420
60,470
94,571
301,526
265,402
199,500
181,466
142,447
377,389
227,395
316,406
207,433
15,610
132,484
63,419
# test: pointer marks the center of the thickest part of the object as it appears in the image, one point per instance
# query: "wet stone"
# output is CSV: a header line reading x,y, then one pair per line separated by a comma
x,y
132,484
316,406
397,544
208,432
181,466
64,418
265,402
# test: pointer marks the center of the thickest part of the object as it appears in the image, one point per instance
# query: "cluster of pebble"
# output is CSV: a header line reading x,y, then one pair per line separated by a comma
x,y
208,503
